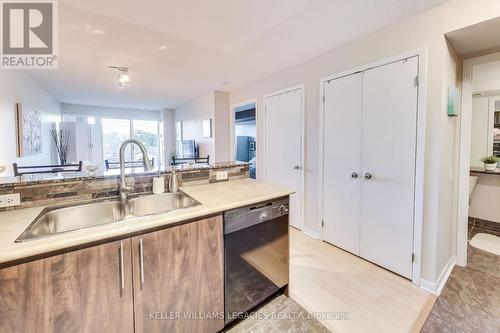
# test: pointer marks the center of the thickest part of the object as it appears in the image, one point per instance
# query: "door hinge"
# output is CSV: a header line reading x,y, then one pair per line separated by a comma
x,y
324,99
417,80
322,223
413,257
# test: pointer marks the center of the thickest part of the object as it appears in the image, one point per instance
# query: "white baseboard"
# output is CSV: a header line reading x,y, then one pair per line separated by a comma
x,y
436,287
311,233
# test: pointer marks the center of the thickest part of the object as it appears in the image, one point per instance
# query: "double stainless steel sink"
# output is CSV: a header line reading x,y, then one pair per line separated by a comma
x,y
60,219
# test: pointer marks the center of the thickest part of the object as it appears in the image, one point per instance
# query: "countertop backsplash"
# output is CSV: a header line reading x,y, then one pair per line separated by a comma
x,y
50,191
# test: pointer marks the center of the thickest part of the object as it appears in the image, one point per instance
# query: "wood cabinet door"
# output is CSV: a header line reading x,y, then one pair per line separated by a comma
x,y
88,290
178,278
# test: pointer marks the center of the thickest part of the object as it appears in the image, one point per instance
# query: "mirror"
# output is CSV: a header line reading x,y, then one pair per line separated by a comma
x,y
485,130
115,80
485,121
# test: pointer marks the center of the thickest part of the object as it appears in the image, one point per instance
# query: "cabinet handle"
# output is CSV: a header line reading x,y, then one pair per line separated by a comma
x,y
141,260
368,175
354,175
122,267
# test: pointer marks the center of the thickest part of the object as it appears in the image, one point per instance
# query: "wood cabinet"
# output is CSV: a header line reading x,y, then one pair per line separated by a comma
x,y
179,272
80,291
105,288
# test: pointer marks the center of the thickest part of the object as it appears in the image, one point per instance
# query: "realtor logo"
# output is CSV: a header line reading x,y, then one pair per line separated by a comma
x,y
29,38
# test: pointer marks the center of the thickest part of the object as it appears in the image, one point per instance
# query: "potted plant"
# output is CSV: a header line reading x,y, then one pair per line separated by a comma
x,y
490,163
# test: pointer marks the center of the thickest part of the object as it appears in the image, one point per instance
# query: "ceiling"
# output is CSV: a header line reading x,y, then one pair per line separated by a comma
x,y
177,50
476,38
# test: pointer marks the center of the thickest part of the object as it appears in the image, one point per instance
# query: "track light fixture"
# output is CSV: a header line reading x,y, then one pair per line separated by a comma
x,y
123,75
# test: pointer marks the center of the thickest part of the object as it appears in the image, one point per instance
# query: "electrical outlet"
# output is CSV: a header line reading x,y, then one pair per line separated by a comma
x,y
9,200
221,175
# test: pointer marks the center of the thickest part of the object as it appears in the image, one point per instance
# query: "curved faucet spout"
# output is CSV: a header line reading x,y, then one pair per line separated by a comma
x,y
124,189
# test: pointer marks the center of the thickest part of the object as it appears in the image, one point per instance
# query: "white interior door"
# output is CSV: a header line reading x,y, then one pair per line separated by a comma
x,y
388,155
342,161
283,146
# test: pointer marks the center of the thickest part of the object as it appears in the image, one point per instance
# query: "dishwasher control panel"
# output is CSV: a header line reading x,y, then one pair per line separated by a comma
x,y
245,217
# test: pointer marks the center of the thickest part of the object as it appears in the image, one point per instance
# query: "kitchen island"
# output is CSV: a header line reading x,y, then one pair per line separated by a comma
x,y
139,275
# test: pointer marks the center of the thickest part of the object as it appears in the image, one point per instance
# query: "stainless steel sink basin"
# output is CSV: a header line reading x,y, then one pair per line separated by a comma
x,y
61,219
160,203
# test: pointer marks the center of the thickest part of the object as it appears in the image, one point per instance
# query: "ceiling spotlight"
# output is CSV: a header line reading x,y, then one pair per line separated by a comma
x,y
123,76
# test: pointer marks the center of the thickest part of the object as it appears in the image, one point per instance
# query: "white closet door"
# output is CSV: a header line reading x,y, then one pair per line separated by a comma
x,y
284,146
388,155
342,161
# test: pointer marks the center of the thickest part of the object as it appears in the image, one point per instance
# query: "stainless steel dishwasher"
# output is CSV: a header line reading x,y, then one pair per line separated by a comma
x,y
256,254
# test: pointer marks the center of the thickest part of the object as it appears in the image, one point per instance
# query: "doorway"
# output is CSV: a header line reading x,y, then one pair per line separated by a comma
x,y
284,145
479,184
244,135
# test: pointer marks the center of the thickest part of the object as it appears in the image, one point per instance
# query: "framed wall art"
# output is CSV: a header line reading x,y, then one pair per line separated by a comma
x,y
29,130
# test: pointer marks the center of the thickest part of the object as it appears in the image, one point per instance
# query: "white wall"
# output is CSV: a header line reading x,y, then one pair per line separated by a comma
x,y
213,105
443,69
192,115
168,134
222,131
17,87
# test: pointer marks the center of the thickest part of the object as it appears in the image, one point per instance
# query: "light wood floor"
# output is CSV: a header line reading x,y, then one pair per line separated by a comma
x,y
324,278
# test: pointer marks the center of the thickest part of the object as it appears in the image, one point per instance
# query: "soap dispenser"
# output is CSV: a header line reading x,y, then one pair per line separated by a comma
x,y
173,184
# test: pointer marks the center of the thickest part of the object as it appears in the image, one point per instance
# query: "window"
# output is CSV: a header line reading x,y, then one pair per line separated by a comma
x,y
114,132
67,118
146,131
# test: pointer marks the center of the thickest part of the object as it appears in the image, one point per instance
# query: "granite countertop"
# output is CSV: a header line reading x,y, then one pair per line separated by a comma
x,y
481,170
114,173
214,198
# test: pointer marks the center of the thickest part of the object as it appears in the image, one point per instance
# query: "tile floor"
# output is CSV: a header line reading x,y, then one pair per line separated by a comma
x,y
470,300
282,314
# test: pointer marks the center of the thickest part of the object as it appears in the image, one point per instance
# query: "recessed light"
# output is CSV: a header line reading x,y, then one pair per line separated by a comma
x,y
98,32
163,47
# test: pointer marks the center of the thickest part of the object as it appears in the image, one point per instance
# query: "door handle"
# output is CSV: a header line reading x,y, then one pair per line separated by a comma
x,y
354,175
368,175
122,267
296,167
141,261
